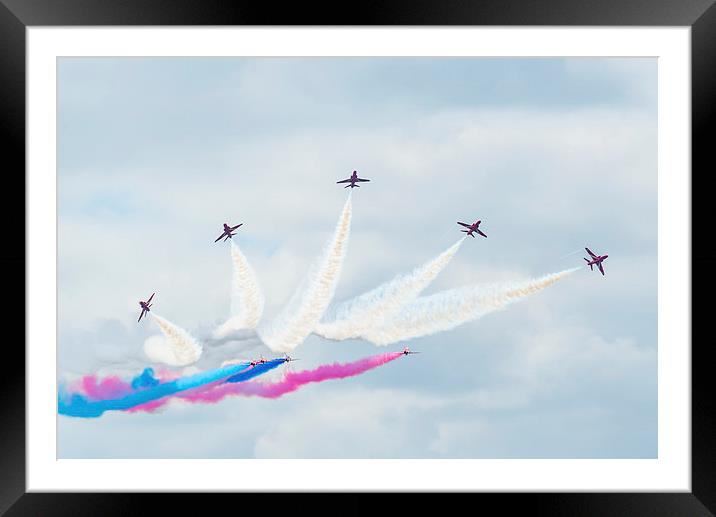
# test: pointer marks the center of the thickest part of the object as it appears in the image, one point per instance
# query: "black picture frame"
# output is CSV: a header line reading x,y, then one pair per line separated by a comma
x,y
700,15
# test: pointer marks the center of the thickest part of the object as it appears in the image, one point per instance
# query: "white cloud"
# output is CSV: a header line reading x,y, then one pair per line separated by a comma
x,y
347,423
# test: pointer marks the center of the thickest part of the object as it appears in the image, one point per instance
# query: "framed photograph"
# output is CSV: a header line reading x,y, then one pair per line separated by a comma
x,y
422,251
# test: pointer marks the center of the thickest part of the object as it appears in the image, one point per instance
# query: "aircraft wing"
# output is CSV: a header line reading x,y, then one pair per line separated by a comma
x,y
235,227
150,298
601,268
480,232
359,179
220,236
344,181
590,252
464,224
140,316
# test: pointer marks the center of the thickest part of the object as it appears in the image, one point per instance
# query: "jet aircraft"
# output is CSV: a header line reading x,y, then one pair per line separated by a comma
x,y
258,361
145,306
227,234
596,261
352,180
471,228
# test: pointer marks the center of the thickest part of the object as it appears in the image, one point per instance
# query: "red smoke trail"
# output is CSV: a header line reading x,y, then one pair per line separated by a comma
x,y
292,380
107,388
112,387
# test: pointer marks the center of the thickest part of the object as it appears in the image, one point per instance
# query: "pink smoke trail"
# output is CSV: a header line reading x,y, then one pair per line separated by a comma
x,y
112,387
148,407
291,381
153,405
107,388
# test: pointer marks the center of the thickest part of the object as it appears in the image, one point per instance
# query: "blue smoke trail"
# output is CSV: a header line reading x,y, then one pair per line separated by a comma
x,y
256,370
150,389
145,379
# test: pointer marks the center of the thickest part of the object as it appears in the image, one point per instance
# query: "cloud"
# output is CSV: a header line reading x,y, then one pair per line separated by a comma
x,y
347,423
567,162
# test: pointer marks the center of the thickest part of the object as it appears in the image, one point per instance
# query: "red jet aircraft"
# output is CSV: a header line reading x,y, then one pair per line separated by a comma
x,y
407,351
352,180
227,232
474,227
596,261
145,306
259,361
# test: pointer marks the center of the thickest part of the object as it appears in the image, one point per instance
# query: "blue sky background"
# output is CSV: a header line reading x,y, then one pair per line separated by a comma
x,y
552,154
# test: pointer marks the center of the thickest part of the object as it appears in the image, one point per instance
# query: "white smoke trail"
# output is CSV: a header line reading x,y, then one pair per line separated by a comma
x,y
351,318
247,300
307,306
448,309
571,253
177,348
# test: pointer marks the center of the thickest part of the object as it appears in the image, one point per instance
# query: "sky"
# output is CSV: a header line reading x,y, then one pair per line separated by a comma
x,y
553,155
